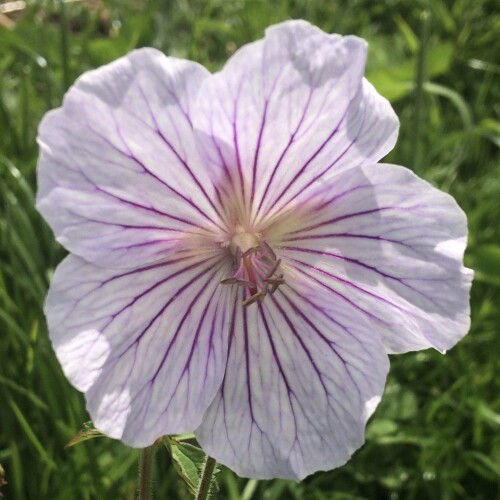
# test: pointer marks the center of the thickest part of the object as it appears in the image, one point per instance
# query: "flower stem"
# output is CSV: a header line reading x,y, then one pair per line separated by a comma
x,y
206,479
146,472
64,44
418,95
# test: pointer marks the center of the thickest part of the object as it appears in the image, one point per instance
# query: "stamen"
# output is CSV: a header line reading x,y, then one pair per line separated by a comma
x,y
249,252
236,281
256,297
273,270
256,269
269,250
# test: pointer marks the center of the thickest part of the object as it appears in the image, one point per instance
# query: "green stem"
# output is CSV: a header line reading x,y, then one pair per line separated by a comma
x,y
146,472
206,479
64,45
418,96
249,490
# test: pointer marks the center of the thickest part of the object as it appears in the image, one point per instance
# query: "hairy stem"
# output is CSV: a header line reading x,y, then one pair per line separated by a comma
x,y
64,44
418,95
206,479
146,472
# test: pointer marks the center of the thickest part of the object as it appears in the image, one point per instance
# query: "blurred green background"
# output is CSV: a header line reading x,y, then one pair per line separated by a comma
x,y
436,433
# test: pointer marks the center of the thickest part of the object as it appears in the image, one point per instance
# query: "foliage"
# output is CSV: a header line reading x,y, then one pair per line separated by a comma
x,y
436,434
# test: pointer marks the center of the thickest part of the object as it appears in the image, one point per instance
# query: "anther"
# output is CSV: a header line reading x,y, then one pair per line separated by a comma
x,y
256,297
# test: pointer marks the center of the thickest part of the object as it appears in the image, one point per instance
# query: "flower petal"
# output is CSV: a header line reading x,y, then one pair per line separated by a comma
x,y
289,109
392,244
120,179
303,376
148,346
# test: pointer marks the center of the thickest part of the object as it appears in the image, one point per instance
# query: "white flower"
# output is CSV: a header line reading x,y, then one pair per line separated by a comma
x,y
240,264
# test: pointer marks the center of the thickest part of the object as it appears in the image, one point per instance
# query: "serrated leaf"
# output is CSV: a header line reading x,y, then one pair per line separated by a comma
x,y
88,432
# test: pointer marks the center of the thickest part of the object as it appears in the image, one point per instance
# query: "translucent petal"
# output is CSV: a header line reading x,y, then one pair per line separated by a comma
x,y
147,346
393,245
289,109
303,375
120,179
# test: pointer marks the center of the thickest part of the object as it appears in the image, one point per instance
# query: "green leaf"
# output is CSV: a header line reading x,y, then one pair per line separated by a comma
x,y
408,34
379,428
188,461
490,129
88,432
487,414
455,98
32,437
439,59
486,262
483,465
397,80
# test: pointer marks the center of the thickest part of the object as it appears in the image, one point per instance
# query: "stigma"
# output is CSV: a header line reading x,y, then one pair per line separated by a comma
x,y
257,268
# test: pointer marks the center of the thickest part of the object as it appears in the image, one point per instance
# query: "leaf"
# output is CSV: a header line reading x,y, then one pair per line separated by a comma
x,y
439,59
88,432
396,80
188,461
456,99
483,465
31,436
408,34
486,263
379,428
487,414
490,129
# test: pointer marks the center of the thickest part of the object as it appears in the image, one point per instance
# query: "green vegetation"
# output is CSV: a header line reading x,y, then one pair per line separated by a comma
x,y
436,434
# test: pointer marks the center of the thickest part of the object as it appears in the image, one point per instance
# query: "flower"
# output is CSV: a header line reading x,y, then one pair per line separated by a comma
x,y
240,263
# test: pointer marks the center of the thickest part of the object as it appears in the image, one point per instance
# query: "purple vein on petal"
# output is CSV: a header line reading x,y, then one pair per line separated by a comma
x,y
136,160
341,257
132,203
184,163
131,272
289,389
338,294
401,281
298,175
331,345
194,343
346,281
349,235
284,153
257,149
324,171
341,218
247,366
236,145
162,310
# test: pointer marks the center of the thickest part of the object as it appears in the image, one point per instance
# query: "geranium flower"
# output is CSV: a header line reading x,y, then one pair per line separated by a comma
x,y
240,264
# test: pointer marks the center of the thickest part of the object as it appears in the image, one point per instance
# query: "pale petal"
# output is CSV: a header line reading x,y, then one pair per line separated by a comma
x,y
147,346
303,375
289,109
120,179
393,245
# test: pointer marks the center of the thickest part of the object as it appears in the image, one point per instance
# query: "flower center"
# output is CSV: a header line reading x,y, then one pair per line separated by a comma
x,y
256,266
